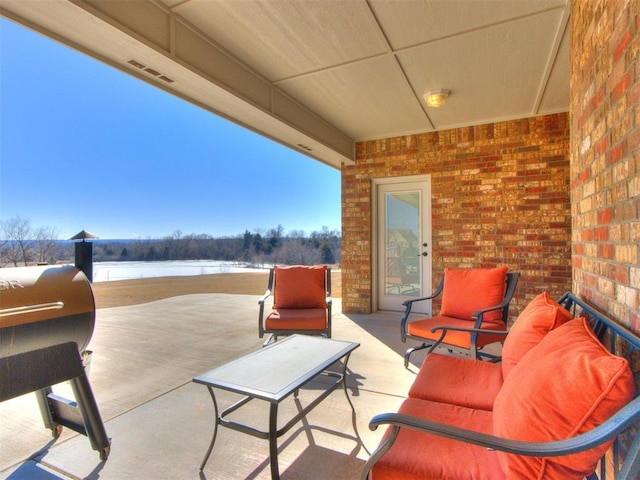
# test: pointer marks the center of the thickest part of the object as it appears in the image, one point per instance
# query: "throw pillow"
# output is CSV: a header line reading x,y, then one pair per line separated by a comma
x,y
540,316
566,385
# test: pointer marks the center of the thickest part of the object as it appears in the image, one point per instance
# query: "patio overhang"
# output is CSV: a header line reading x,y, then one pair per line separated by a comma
x,y
319,77
184,63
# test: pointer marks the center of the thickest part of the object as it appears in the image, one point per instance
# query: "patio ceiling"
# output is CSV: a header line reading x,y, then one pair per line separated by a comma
x,y
319,75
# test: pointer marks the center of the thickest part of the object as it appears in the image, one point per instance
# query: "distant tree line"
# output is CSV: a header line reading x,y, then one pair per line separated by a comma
x,y
23,245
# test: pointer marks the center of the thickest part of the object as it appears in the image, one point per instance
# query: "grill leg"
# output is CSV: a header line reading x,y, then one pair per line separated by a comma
x,y
90,415
53,365
42,396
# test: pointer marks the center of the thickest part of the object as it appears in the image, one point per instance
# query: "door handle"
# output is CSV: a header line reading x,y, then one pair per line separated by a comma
x,y
423,254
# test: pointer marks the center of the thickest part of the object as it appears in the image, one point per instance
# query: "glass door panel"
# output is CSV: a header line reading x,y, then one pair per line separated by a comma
x,y
403,242
403,266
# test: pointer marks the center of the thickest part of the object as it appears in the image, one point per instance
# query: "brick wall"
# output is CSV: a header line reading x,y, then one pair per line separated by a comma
x,y
500,196
605,157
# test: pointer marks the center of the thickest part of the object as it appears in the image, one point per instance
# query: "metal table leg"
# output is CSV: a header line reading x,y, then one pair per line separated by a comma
x,y
215,429
273,441
344,381
220,378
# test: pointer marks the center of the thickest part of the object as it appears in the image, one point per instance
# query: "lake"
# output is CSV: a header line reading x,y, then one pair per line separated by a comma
x,y
110,271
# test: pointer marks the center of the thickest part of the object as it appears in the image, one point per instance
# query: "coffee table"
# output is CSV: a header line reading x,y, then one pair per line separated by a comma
x,y
272,374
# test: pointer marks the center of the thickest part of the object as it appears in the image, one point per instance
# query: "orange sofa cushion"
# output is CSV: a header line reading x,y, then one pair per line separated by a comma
x,y
564,386
419,456
539,317
467,290
457,381
422,328
297,319
300,287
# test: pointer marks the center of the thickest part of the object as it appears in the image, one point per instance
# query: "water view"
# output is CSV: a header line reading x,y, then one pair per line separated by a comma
x,y
110,271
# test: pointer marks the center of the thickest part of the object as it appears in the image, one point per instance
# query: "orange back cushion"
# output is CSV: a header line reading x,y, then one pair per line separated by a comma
x,y
542,315
564,386
300,287
471,289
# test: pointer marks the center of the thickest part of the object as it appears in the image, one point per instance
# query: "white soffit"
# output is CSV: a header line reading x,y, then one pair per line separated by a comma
x,y
500,79
282,39
320,75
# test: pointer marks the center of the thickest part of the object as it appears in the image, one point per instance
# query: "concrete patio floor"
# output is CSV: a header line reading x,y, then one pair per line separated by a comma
x,y
160,422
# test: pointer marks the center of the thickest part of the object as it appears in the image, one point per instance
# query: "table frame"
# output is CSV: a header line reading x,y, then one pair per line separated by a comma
x,y
215,379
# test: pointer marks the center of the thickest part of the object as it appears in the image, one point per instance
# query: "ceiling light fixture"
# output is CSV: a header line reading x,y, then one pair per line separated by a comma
x,y
436,98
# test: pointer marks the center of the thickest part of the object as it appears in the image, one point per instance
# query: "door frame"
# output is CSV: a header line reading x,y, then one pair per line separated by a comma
x,y
375,267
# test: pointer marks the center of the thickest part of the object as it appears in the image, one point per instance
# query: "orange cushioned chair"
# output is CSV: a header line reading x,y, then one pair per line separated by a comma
x,y
474,312
301,302
460,385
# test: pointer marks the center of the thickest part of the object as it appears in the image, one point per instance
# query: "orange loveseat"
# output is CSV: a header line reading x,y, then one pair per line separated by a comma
x,y
556,382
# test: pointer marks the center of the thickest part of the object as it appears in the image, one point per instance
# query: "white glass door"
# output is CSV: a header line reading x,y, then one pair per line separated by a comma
x,y
403,242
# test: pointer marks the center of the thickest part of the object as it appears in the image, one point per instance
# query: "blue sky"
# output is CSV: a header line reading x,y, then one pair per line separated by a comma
x,y
84,146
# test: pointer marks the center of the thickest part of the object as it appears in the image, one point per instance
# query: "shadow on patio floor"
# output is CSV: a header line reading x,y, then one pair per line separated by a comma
x,y
160,422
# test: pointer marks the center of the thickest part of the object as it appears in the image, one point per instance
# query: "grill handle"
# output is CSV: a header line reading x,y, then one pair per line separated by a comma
x,y
31,308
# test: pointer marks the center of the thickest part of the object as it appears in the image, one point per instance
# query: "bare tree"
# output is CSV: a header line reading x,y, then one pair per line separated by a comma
x,y
296,253
17,232
173,244
3,244
297,234
46,244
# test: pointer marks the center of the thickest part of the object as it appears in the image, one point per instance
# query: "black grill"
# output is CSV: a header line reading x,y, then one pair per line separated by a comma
x,y
47,318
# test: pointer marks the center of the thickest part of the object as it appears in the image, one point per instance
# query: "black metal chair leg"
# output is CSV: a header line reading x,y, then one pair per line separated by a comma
x,y
270,338
408,353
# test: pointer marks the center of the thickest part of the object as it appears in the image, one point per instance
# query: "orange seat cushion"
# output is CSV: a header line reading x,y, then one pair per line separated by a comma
x,y
422,328
467,290
566,385
457,381
539,317
297,319
300,286
419,456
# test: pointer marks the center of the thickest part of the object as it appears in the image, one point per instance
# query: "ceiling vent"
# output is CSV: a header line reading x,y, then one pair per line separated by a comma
x,y
150,71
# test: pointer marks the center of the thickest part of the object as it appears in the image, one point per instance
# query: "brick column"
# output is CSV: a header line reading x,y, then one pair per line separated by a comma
x,y
605,155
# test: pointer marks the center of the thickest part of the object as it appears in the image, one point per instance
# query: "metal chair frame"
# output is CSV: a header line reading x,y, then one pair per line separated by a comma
x,y
274,333
474,352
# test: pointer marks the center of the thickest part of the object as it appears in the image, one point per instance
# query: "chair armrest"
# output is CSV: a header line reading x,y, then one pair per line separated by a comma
x,y
445,328
620,421
478,313
438,291
511,286
412,300
261,301
470,330
264,297
408,304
